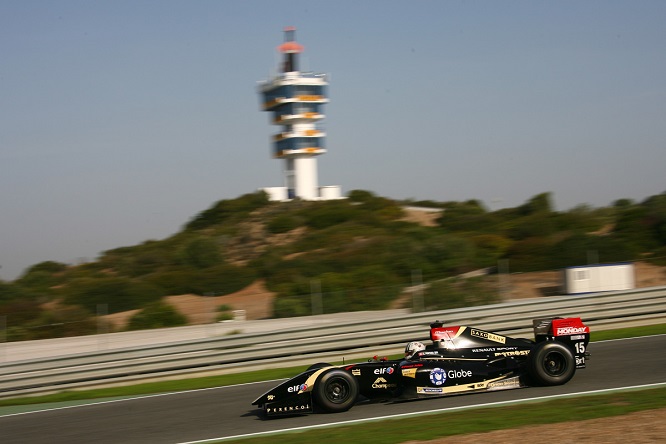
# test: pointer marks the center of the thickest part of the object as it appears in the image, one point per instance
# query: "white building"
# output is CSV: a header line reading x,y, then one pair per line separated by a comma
x,y
600,277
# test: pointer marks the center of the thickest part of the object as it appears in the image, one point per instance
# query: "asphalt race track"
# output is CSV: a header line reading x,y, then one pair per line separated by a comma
x,y
226,411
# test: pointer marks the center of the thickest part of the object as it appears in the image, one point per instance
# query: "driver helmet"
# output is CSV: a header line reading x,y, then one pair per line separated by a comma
x,y
412,348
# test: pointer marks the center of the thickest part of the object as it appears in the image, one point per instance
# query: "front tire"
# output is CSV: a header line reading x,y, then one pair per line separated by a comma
x,y
336,391
551,363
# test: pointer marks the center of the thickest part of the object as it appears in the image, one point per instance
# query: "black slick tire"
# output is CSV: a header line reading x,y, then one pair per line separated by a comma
x,y
335,391
551,363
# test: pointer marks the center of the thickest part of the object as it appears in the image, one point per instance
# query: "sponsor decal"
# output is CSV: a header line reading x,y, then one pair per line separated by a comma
x,y
381,383
504,384
580,361
298,388
356,372
513,353
429,390
437,376
569,326
444,333
384,370
288,409
454,374
411,366
564,331
489,336
578,337
493,349
409,372
428,353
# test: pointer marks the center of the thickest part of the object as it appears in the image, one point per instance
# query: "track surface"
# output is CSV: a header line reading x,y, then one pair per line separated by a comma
x,y
226,411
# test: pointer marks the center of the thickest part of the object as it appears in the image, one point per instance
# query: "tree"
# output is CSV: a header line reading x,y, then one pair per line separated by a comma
x,y
467,216
10,292
541,203
48,267
656,213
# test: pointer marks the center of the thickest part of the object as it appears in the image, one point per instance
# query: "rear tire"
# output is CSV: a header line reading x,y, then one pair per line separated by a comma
x,y
335,391
551,363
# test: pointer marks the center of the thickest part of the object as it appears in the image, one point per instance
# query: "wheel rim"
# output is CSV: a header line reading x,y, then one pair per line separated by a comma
x,y
555,364
337,390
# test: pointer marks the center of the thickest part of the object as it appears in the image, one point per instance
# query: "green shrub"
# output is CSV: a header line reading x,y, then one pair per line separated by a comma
x,y
60,323
48,267
220,279
223,279
200,253
287,307
118,293
20,312
456,293
156,315
224,316
225,210
328,214
11,291
283,223
174,280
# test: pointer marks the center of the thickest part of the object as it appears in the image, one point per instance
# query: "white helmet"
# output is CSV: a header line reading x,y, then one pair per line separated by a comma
x,y
412,348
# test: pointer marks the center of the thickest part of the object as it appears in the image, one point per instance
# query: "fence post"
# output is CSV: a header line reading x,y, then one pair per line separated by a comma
x,y
417,294
102,326
3,338
317,303
504,279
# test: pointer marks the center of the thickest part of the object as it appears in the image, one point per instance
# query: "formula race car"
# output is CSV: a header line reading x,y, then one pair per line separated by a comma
x,y
461,359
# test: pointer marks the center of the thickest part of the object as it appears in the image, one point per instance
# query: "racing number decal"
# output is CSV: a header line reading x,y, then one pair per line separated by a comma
x,y
580,348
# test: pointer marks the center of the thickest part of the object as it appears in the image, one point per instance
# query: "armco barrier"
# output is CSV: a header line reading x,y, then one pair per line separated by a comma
x,y
312,344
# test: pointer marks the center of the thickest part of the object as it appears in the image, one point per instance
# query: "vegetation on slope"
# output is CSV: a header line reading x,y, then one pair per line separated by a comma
x,y
358,254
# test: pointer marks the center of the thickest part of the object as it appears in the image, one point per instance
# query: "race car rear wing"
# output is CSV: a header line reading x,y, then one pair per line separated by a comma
x,y
556,326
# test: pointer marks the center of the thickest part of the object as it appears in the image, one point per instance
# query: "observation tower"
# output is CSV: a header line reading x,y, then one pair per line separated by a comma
x,y
295,100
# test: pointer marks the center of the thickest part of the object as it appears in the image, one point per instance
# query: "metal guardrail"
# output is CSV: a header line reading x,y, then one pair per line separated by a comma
x,y
330,342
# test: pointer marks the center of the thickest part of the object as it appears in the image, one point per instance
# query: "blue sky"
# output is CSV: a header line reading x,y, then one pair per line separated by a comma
x,y
121,120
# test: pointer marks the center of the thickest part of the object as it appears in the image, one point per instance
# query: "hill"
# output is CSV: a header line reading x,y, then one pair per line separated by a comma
x,y
362,253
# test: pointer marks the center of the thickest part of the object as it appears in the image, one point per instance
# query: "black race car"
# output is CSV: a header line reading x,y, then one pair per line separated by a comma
x,y
461,360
